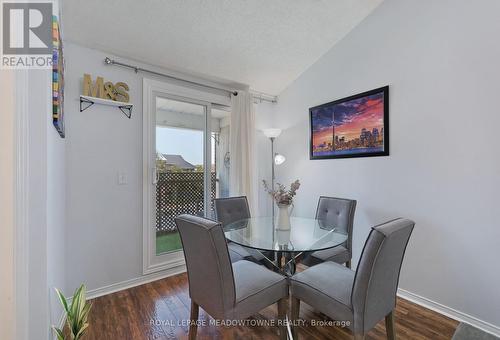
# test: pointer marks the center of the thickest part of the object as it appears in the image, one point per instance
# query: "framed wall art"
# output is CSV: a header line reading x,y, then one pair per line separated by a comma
x,y
57,79
355,126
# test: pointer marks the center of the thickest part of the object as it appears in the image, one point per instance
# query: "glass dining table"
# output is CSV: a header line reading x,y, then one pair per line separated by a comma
x,y
283,248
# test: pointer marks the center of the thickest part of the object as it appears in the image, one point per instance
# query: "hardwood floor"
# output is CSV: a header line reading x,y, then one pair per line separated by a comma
x,y
161,309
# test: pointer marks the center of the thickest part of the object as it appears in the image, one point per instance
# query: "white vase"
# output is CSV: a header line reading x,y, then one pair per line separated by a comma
x,y
283,222
283,237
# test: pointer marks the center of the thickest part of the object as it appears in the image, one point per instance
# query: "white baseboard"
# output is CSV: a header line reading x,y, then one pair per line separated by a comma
x,y
116,287
449,312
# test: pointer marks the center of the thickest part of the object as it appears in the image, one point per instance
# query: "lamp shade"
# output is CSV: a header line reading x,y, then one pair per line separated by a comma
x,y
271,132
279,159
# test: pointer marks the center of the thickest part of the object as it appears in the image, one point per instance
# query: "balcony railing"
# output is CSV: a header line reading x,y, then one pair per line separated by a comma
x,y
179,193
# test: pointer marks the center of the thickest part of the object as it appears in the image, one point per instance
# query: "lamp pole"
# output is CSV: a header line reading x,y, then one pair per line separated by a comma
x,y
272,134
272,173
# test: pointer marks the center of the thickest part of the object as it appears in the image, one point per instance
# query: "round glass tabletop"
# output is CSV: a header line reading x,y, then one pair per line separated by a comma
x,y
305,234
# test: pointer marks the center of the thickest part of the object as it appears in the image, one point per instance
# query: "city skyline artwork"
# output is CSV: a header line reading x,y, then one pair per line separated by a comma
x,y
356,126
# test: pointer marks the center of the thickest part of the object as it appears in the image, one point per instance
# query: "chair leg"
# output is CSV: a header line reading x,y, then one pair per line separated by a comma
x,y
348,264
295,315
193,327
389,326
282,318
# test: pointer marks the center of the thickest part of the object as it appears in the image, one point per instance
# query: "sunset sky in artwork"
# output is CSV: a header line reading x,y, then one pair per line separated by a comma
x,y
349,118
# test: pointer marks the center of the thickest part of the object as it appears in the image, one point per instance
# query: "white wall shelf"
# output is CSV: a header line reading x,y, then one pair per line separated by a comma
x,y
87,101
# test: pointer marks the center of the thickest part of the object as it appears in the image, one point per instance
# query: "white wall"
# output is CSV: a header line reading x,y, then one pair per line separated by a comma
x,y
39,238
104,218
47,228
56,219
33,220
442,62
39,86
7,228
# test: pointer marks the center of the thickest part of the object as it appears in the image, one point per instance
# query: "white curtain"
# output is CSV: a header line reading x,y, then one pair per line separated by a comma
x,y
243,170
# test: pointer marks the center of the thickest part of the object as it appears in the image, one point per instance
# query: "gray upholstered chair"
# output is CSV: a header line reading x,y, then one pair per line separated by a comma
x,y
229,210
337,212
225,291
362,297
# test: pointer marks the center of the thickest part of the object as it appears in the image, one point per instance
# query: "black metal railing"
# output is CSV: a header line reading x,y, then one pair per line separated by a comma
x,y
179,193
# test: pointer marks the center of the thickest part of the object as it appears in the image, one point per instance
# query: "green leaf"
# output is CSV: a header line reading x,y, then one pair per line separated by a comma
x,y
83,299
81,331
59,333
86,310
75,300
61,297
76,306
76,313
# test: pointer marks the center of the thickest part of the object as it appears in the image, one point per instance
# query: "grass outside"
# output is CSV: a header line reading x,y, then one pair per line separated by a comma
x,y
169,242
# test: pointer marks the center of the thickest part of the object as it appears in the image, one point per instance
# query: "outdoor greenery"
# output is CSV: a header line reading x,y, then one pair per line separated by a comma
x,y
168,242
76,314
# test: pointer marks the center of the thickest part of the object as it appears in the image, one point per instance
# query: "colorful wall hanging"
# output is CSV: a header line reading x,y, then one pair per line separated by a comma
x,y
57,79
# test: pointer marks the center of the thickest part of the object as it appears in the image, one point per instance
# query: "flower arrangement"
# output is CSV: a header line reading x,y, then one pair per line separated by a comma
x,y
281,195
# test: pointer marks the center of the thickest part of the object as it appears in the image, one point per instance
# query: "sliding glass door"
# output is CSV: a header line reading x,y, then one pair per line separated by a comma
x,y
186,165
180,179
181,161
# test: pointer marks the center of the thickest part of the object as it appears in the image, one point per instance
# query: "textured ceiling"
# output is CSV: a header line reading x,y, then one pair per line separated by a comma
x,y
261,43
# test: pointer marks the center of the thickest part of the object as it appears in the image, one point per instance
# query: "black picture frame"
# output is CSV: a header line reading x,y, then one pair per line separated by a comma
x,y
385,152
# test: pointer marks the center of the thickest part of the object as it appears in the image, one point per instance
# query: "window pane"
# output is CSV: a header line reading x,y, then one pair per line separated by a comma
x,y
179,165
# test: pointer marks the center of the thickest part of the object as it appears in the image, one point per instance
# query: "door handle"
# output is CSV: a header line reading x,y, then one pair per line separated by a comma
x,y
155,176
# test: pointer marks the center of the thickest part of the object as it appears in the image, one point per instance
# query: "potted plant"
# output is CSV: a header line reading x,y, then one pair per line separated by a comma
x,y
284,199
76,314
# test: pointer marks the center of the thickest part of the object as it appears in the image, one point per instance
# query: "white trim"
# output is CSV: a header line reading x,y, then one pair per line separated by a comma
x,y
146,180
152,263
164,262
116,287
449,312
207,159
21,208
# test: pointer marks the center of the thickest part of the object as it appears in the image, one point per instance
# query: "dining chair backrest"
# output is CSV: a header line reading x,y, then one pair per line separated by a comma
x,y
231,209
338,213
376,281
210,274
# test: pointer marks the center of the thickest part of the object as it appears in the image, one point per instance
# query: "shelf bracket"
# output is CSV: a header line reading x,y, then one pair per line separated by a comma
x,y
127,110
85,104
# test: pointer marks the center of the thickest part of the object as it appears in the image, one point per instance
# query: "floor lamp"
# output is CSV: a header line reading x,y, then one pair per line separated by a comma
x,y
276,158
